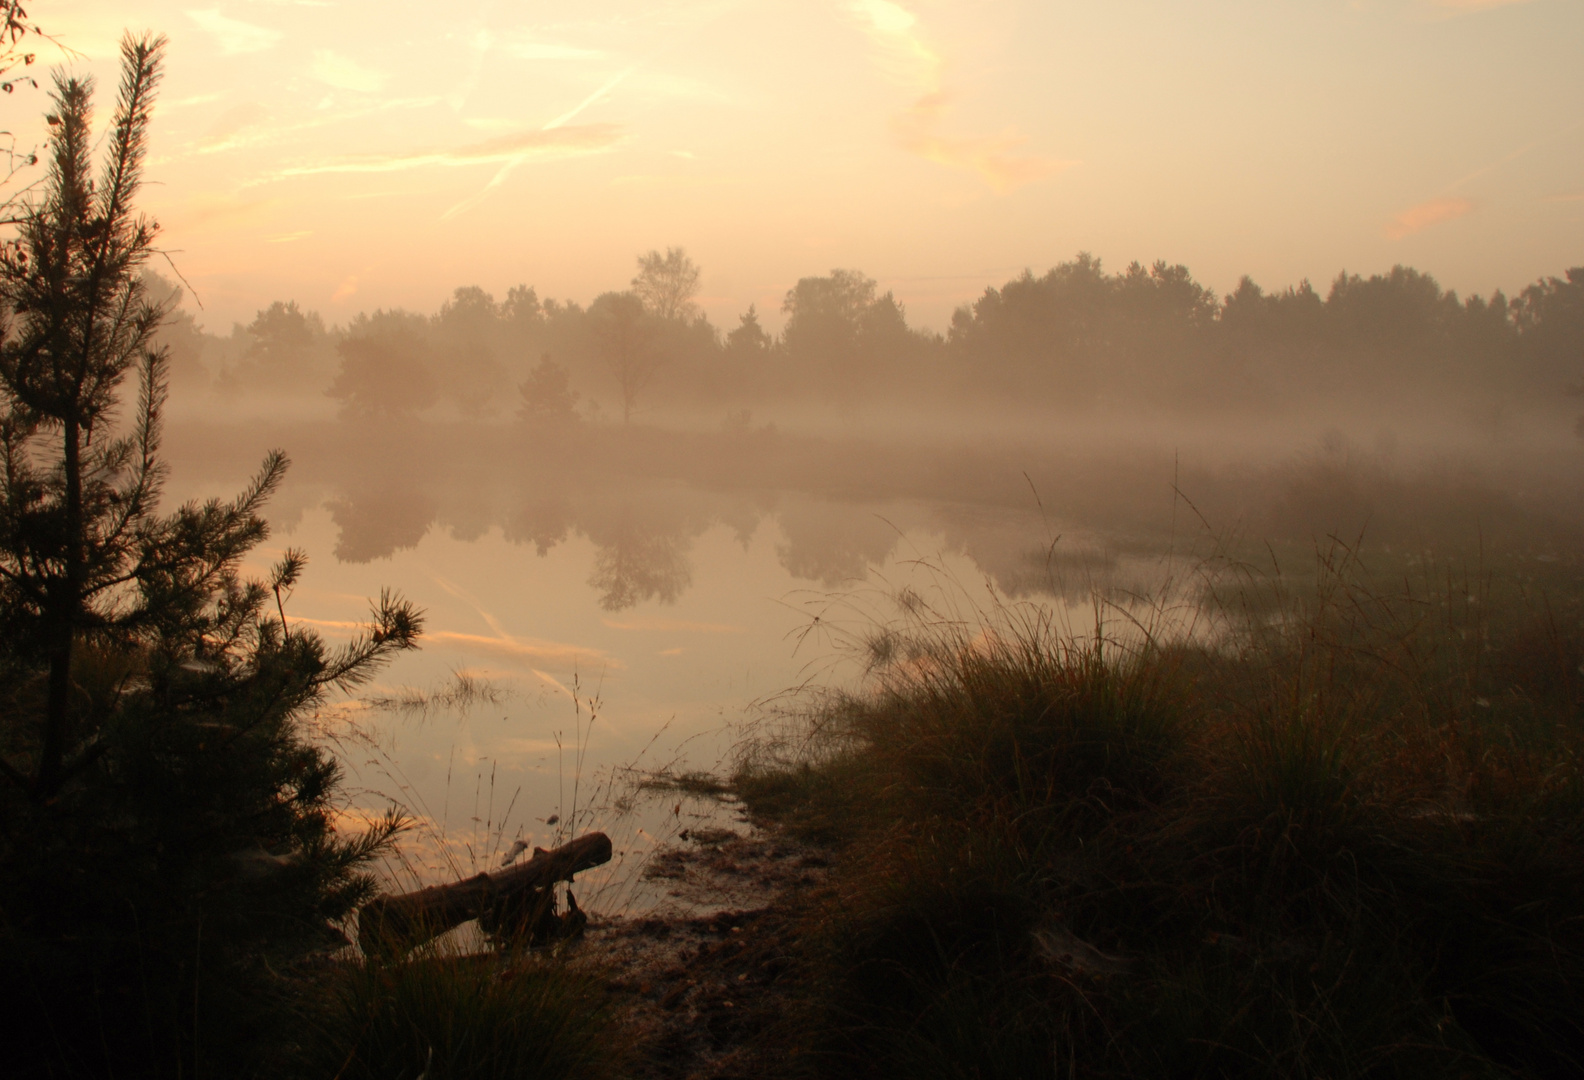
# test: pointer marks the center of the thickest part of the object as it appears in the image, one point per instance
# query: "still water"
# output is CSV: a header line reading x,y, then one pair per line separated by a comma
x,y
643,636
604,604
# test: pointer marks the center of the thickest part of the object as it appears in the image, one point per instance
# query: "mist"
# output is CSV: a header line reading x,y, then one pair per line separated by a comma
x,y
1381,409
694,519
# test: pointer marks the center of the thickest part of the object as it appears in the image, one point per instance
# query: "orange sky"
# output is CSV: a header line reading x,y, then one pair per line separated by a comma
x,y
362,154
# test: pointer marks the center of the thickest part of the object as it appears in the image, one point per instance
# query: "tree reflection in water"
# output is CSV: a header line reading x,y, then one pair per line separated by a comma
x,y
639,565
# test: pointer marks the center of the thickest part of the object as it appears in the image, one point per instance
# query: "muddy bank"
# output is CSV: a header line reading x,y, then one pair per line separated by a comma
x,y
705,974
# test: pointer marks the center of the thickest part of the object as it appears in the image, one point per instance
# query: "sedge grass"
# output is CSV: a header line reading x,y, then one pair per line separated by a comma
x,y
1339,833
446,1016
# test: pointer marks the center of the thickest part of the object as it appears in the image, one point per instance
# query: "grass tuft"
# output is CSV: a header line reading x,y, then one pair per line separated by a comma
x,y
453,1017
1335,831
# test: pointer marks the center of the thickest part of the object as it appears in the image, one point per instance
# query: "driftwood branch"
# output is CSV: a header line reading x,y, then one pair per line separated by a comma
x,y
388,923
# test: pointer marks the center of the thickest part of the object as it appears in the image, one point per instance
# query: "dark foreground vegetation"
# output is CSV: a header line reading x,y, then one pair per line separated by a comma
x,y
167,817
1333,834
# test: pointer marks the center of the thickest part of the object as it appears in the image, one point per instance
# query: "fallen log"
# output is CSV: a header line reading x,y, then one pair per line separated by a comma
x,y
392,923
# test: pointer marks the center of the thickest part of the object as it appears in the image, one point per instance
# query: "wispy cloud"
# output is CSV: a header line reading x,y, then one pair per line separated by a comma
x,y
563,122
346,289
1000,160
1468,6
233,35
671,626
593,99
275,133
1421,217
206,209
525,47
337,627
229,124
344,73
554,143
904,54
676,181
494,123
552,134
525,652
195,99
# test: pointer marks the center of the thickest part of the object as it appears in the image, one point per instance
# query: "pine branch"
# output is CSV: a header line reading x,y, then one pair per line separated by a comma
x,y
15,776
396,627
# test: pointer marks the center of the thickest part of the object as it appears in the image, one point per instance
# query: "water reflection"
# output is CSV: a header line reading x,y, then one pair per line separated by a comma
x,y
641,497
376,523
669,573
640,564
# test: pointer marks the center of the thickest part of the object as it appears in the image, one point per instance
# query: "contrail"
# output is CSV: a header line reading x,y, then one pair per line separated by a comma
x,y
1513,156
506,170
565,118
610,84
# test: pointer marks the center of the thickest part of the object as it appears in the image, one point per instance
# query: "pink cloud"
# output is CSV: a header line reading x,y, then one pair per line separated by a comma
x,y
996,158
1421,217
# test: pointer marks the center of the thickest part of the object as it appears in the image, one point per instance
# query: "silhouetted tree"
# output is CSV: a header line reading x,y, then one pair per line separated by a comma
x,y
521,307
548,397
385,366
844,337
667,283
465,338
1549,318
286,326
166,831
470,311
749,339
179,335
1156,335
288,350
824,313
626,343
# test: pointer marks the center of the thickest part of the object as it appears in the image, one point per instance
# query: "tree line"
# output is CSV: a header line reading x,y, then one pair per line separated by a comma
x,y
1074,337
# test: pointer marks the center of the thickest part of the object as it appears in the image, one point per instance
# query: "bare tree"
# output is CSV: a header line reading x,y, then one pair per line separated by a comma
x,y
668,283
15,28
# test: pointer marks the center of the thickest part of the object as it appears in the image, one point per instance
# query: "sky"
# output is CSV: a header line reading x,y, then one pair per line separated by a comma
x,y
362,154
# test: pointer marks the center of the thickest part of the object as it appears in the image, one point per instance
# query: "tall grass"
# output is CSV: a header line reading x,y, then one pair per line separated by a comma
x,y
444,1016
1321,830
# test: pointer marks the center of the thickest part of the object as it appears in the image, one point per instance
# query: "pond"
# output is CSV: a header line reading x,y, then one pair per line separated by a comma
x,y
583,634
605,604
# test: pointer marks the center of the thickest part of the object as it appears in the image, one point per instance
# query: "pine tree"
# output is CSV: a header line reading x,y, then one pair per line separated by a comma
x,y
166,822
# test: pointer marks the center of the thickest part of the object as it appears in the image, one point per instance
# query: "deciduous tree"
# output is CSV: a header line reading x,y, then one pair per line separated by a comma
x,y
668,283
626,342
